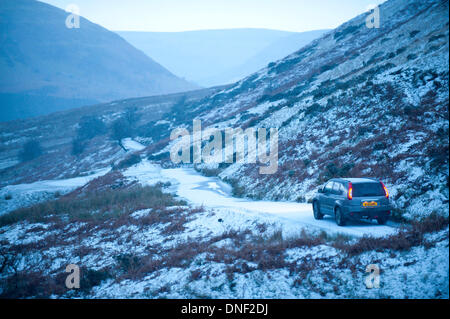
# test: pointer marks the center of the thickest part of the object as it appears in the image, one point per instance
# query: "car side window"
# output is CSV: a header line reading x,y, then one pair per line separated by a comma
x,y
337,188
343,190
328,188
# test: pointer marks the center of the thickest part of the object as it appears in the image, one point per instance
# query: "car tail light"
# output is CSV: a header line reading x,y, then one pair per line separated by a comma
x,y
386,192
350,191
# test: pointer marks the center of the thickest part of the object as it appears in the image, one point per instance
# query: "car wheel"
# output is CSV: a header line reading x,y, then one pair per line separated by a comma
x,y
316,210
340,220
382,220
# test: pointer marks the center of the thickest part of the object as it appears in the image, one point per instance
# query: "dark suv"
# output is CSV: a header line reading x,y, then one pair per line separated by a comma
x,y
352,198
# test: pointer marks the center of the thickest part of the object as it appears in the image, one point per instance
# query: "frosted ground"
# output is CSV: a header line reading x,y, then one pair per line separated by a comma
x,y
325,100
27,194
214,243
212,193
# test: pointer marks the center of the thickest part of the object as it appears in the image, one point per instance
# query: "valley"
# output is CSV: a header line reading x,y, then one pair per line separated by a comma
x,y
96,185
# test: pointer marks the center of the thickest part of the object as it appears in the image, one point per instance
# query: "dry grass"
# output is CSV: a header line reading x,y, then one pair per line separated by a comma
x,y
246,253
405,239
101,205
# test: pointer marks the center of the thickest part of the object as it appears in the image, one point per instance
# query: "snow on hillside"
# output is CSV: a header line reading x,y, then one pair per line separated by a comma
x,y
21,195
132,145
184,254
57,133
355,102
228,248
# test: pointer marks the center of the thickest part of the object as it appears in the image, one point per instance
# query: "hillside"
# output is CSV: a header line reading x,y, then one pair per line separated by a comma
x,y
57,132
47,67
355,102
216,57
102,193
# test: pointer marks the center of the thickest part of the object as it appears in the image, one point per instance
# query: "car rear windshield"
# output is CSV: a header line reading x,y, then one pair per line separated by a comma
x,y
367,189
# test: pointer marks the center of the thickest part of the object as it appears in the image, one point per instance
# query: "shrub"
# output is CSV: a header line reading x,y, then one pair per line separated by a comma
x,y
120,129
390,55
313,109
90,278
379,146
286,64
341,34
177,224
211,171
89,127
306,162
125,125
334,171
155,131
26,284
400,50
128,262
78,146
436,37
179,109
238,191
131,115
31,150
98,205
434,222
196,274
403,240
362,130
327,67
412,34
131,160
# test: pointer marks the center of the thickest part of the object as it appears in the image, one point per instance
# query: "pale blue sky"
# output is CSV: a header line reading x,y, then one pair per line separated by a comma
x,y
184,15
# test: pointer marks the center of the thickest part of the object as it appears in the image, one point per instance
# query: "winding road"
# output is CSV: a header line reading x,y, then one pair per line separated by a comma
x,y
211,192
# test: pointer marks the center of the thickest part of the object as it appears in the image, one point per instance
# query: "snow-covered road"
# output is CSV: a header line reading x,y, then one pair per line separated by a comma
x,y
200,190
211,192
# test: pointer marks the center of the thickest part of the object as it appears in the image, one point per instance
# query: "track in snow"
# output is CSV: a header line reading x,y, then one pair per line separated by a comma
x,y
211,192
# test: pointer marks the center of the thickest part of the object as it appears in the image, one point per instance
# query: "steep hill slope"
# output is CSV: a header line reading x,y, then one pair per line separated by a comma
x,y
356,102
57,132
47,67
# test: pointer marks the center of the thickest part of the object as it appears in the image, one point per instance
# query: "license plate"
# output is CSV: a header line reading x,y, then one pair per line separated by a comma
x,y
370,204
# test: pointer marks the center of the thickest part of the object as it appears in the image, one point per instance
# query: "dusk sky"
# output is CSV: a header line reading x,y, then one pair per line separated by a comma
x,y
185,15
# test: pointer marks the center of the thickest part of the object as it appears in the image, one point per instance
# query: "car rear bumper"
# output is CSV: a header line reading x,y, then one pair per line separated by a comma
x,y
368,212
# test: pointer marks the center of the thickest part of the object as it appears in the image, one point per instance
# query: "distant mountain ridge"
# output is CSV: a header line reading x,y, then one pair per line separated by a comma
x,y
216,57
44,64
275,51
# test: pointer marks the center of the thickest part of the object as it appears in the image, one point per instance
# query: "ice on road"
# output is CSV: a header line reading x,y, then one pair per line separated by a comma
x,y
211,192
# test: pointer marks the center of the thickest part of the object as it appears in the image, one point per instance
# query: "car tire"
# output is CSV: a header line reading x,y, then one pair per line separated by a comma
x,y
340,219
316,210
382,220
